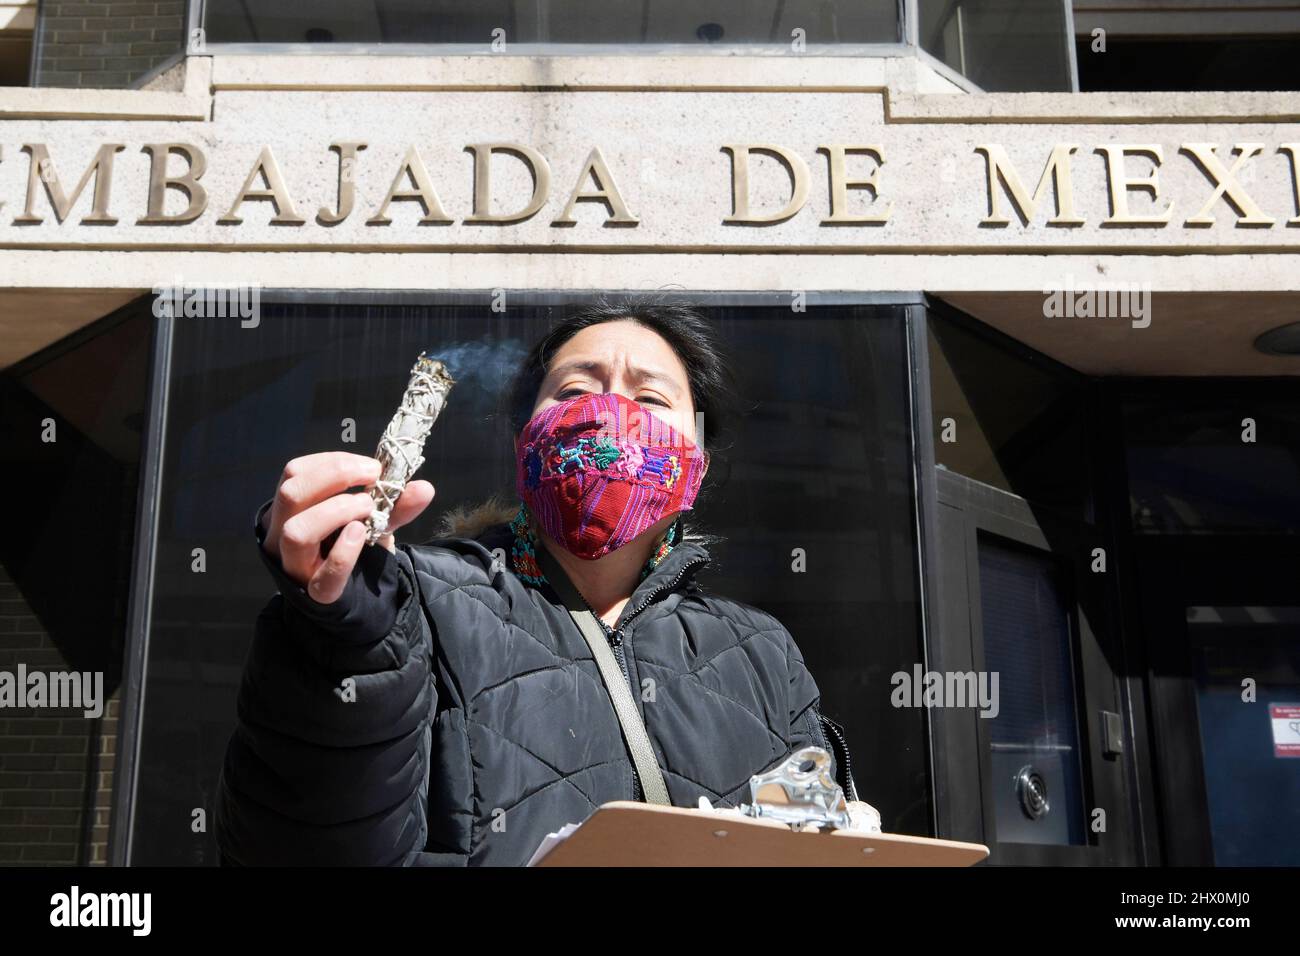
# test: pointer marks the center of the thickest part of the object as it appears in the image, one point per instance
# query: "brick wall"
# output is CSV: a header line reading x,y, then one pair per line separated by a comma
x,y
108,44
56,766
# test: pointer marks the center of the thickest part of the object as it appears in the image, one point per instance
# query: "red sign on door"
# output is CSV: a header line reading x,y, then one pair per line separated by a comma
x,y
1286,729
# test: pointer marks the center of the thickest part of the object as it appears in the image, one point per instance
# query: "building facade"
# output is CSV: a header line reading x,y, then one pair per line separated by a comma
x,y
1013,290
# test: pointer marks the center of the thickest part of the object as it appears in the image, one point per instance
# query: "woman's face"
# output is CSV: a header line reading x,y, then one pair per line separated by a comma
x,y
625,358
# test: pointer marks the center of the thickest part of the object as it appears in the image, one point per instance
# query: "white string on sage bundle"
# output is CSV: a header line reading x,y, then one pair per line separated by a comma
x,y
401,450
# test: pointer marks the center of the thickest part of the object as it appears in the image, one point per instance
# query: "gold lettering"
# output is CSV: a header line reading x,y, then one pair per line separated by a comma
x,y
347,184
840,184
606,192
1121,184
424,193
275,192
795,167
1226,185
42,171
188,183
999,169
537,165
1293,150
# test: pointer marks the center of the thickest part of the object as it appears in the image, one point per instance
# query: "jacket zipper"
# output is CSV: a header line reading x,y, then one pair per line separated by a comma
x,y
663,587
615,637
843,748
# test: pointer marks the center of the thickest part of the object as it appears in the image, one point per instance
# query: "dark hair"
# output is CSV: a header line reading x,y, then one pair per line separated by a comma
x,y
689,334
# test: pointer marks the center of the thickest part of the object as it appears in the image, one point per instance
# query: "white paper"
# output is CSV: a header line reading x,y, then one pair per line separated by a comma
x,y
550,842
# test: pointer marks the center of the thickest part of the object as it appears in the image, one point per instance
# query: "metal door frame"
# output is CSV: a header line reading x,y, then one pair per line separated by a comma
x,y
968,509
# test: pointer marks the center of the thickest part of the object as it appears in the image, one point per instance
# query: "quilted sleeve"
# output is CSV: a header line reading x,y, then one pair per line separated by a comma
x,y
329,760
805,728
805,701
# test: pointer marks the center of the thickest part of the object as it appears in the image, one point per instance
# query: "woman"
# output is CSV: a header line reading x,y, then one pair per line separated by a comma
x,y
438,704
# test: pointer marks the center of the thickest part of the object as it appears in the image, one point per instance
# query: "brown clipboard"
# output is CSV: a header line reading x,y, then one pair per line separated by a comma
x,y
624,833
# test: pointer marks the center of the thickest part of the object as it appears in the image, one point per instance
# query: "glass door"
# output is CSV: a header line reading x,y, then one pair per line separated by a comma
x,y
1040,775
1246,668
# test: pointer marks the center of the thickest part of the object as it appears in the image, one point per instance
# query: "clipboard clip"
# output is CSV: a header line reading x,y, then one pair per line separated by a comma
x,y
801,792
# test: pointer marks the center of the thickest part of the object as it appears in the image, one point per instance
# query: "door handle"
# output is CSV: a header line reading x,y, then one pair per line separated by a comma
x,y
1112,734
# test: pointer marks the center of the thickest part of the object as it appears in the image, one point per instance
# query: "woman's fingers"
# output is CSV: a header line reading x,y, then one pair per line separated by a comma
x,y
327,584
415,498
310,506
311,479
301,535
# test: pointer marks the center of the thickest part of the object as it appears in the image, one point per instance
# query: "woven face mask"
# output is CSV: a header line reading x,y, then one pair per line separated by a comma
x,y
596,471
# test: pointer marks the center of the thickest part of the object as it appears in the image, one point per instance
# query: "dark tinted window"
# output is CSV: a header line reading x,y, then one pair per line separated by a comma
x,y
71,421
1001,45
822,463
479,22
1006,420
1214,457
1177,63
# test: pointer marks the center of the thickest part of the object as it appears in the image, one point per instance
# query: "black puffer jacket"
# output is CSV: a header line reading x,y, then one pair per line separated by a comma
x,y
447,712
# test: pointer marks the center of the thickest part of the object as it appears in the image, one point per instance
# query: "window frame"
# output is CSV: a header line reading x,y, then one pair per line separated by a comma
x,y
153,456
196,17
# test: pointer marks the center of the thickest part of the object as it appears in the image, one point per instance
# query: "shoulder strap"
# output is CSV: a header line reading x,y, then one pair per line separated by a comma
x,y
629,717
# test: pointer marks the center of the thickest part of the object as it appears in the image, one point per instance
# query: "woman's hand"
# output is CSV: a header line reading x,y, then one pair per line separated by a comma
x,y
312,503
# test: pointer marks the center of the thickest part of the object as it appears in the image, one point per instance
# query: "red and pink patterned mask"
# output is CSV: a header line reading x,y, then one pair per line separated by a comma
x,y
598,470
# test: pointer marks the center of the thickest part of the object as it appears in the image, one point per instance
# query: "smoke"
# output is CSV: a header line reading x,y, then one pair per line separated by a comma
x,y
482,369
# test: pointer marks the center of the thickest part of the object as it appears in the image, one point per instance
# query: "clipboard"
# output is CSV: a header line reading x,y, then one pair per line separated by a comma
x,y
626,833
